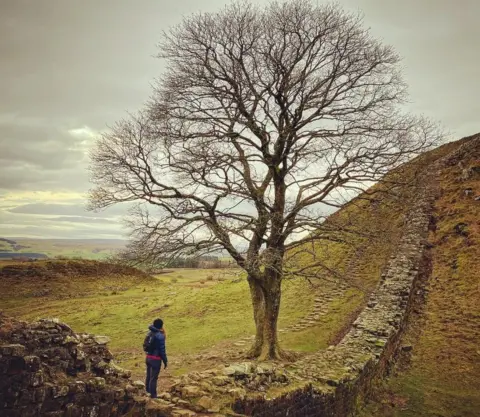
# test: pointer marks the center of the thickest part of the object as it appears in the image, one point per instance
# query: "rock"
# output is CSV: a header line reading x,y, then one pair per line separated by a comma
x,y
207,404
239,369
207,386
80,354
12,350
101,340
96,384
220,380
165,396
32,363
157,406
138,384
36,379
60,391
70,340
407,348
280,376
80,387
183,413
191,391
237,393
50,323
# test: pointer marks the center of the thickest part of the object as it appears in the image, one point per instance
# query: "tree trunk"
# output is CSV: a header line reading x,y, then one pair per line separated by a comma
x,y
258,304
270,348
266,306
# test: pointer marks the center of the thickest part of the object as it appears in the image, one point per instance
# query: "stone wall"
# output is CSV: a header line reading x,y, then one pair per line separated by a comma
x,y
337,376
47,369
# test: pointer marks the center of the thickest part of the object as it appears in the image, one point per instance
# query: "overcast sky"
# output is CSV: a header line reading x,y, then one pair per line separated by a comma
x,y
69,68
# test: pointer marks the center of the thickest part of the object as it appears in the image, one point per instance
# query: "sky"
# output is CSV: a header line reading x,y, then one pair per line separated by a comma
x,y
70,68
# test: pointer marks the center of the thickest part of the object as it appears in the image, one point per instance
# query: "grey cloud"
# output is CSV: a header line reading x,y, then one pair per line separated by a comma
x,y
46,148
49,232
78,210
79,219
22,176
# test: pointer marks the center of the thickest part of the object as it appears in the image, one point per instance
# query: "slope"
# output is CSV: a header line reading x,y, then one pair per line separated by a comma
x,y
439,371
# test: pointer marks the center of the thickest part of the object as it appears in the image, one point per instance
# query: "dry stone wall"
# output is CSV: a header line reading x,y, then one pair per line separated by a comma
x,y
46,369
338,375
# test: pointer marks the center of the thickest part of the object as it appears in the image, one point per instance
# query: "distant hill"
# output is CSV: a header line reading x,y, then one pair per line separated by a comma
x,y
18,255
71,248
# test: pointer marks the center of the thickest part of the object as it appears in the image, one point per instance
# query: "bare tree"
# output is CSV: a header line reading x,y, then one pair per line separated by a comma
x,y
263,120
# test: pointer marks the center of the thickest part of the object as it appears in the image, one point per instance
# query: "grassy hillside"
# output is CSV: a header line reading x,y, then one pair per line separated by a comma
x,y
71,248
441,374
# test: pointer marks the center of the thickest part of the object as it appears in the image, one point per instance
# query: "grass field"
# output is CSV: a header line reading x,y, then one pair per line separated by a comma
x,y
203,310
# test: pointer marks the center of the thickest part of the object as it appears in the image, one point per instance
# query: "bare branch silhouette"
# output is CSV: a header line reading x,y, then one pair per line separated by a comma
x,y
264,122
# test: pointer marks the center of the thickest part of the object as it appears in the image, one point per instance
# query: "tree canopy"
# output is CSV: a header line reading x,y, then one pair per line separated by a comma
x,y
263,120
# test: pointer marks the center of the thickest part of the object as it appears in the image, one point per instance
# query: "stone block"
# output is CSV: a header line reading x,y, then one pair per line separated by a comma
x,y
101,340
60,391
158,408
207,404
12,350
73,410
35,379
32,363
191,391
183,413
139,384
95,384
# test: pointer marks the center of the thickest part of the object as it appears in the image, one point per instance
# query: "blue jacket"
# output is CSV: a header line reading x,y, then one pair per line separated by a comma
x,y
159,344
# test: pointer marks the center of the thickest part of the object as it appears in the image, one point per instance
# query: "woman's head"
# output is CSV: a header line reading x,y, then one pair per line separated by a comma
x,y
158,323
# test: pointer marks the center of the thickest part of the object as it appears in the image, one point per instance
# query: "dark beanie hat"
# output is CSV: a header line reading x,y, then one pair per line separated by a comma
x,y
158,323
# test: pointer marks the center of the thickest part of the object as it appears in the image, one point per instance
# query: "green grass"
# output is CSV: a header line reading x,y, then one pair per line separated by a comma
x,y
321,335
197,315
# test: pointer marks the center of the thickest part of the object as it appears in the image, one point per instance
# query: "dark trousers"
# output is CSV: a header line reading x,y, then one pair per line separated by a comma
x,y
153,370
